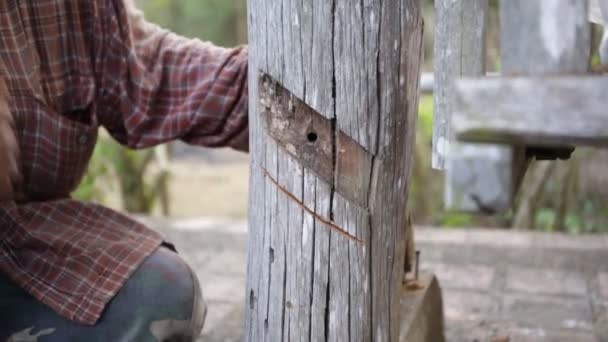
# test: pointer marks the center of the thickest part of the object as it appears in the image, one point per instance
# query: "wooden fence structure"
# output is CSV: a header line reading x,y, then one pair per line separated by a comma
x,y
334,90
541,105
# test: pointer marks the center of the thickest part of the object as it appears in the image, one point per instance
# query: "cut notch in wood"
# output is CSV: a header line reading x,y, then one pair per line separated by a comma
x,y
309,137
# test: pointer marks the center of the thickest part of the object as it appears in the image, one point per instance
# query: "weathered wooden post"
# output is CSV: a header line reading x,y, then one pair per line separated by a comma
x,y
477,176
334,95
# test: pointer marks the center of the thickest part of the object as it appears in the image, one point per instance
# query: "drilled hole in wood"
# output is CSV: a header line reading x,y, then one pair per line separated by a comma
x,y
312,137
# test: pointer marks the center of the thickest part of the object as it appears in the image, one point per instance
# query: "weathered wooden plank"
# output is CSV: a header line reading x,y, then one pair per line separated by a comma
x,y
543,111
459,50
474,179
478,178
400,54
357,65
256,236
544,37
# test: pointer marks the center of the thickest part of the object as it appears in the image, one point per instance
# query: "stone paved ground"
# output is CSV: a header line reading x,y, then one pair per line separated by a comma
x,y
496,284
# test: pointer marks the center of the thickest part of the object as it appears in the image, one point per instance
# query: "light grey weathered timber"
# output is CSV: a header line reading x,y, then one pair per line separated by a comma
x,y
544,37
459,50
554,111
476,178
538,39
355,63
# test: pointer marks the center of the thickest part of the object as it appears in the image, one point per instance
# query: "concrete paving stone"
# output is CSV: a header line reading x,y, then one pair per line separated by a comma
x,y
603,284
458,330
491,331
430,253
494,256
547,312
468,305
473,277
546,294
582,261
600,322
224,322
539,335
565,241
545,281
500,238
542,335
444,236
228,262
199,259
457,254
226,289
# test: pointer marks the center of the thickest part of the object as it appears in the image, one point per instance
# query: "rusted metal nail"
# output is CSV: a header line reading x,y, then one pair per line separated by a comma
x,y
417,263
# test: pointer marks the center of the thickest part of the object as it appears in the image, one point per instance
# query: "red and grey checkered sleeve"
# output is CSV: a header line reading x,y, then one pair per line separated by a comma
x,y
155,86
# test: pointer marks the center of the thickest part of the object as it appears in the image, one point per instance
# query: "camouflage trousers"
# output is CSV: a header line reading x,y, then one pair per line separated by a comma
x,y
161,302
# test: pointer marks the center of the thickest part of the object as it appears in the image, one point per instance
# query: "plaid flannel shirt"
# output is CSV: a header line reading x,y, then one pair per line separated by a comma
x,y
75,65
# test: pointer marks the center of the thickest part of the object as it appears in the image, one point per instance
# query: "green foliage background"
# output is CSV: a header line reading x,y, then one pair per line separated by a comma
x,y
224,22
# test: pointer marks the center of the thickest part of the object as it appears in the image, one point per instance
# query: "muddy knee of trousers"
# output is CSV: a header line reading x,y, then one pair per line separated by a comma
x,y
160,302
188,303
199,309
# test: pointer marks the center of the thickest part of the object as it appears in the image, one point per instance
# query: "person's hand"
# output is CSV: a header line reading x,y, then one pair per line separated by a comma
x,y
9,150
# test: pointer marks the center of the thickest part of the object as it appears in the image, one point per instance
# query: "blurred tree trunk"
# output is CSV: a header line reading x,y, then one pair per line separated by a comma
x,y
531,192
568,184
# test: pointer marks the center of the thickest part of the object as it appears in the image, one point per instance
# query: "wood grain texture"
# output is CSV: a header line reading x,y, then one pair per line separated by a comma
x,y
356,63
310,138
538,38
459,51
555,111
475,177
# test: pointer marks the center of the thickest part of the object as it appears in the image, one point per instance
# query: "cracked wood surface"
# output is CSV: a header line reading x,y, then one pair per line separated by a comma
x,y
356,63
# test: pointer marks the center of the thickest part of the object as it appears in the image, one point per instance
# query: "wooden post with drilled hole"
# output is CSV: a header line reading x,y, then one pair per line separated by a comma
x,y
333,103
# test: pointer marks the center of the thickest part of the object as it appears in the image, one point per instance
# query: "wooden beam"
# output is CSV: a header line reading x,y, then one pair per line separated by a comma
x,y
544,37
351,70
459,50
545,111
475,180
